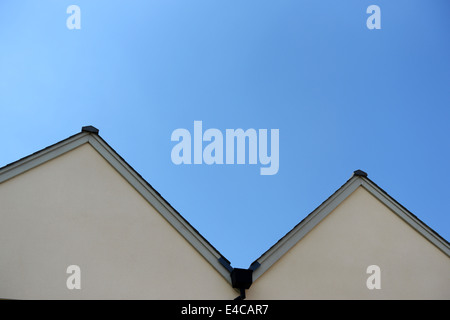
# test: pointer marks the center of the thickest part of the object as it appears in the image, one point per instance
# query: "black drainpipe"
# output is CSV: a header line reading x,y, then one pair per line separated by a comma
x,y
241,279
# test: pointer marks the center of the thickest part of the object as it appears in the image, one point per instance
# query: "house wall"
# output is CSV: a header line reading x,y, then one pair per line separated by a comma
x,y
331,261
77,210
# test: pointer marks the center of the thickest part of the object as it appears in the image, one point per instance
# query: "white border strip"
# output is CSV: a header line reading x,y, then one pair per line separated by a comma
x,y
42,156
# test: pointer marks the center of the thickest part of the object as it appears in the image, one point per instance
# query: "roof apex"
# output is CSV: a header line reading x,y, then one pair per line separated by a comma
x,y
90,129
359,173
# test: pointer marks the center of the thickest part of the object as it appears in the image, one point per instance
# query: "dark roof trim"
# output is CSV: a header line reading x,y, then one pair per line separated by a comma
x,y
360,173
90,129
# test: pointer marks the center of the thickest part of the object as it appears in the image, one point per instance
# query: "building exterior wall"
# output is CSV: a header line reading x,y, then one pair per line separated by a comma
x,y
78,210
331,261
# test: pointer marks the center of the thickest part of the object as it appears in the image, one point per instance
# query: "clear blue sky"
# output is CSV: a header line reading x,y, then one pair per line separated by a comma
x,y
343,97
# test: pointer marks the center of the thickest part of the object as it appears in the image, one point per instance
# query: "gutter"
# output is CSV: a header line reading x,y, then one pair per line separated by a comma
x,y
241,279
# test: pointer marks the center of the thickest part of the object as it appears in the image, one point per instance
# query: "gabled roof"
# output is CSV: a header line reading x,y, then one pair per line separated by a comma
x,y
90,135
359,178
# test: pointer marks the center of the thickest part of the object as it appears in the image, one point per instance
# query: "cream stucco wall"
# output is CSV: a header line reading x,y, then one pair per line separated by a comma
x,y
330,262
77,210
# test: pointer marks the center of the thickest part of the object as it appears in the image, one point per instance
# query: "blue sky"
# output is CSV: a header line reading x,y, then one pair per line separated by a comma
x,y
342,96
